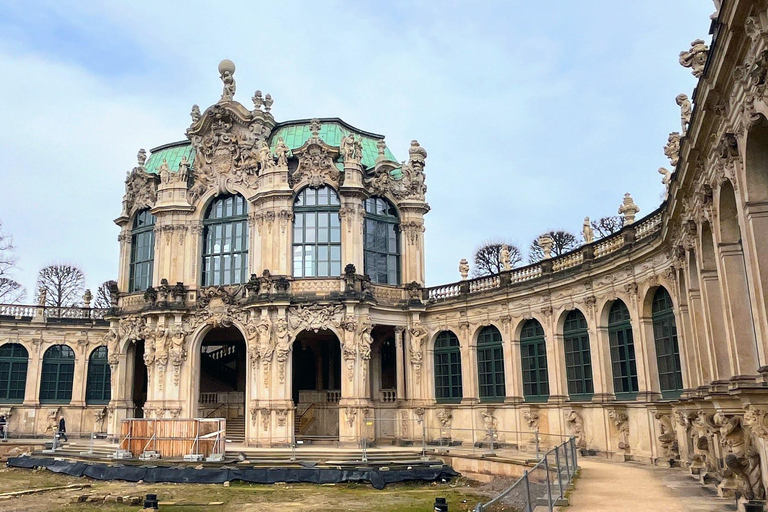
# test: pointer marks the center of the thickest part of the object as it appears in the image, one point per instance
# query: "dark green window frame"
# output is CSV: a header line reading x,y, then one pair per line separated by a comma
x,y
142,251
13,373
448,388
622,344
667,348
316,233
490,365
578,359
533,351
58,375
381,237
225,241
98,389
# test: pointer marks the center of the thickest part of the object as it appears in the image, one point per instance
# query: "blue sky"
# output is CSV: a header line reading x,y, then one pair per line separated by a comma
x,y
534,114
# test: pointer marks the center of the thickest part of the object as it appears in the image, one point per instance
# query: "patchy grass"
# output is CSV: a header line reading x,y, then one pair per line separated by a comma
x,y
238,497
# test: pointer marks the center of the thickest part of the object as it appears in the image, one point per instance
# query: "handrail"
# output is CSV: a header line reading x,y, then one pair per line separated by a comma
x,y
210,414
52,312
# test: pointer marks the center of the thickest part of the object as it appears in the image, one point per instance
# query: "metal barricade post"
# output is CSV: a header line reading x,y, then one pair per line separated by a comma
x,y
559,476
528,507
549,488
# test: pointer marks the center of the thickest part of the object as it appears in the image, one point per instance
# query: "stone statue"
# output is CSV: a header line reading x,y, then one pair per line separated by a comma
x,y
576,426
141,158
628,209
672,149
695,58
258,100
587,232
685,111
164,171
268,101
183,174
281,150
265,156
195,114
464,269
665,180
504,258
42,295
87,298
621,420
227,72
98,419
546,243
351,149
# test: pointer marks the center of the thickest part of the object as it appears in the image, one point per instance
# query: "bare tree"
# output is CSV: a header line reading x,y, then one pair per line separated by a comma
x,y
488,257
11,292
607,226
563,242
103,298
64,285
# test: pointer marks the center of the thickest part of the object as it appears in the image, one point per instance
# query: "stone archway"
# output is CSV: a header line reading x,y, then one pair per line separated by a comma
x,y
316,385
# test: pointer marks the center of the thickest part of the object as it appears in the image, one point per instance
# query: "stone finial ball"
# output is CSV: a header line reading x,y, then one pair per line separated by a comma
x,y
226,65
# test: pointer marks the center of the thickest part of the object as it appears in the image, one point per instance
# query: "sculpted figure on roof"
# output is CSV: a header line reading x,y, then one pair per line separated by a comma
x,y
351,149
685,111
281,151
695,58
227,70
672,149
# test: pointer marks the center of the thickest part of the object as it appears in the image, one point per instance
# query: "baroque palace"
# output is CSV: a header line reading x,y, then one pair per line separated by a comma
x,y
272,273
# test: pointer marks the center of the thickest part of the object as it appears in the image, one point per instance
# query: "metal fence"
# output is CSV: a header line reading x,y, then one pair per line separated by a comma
x,y
544,484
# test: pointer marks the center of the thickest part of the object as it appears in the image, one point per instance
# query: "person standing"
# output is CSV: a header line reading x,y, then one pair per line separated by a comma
x,y
63,429
3,423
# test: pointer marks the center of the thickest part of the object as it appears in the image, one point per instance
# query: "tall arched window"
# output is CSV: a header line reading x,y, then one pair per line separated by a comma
x,y
578,361
533,350
490,365
667,349
225,241
98,389
622,352
382,241
316,233
142,251
447,368
57,376
13,373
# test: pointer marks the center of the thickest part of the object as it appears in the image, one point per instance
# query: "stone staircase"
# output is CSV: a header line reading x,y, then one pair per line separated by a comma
x,y
236,430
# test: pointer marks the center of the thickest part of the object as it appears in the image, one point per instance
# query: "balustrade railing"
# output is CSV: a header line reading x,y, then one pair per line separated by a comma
x,y
388,395
599,249
50,312
333,396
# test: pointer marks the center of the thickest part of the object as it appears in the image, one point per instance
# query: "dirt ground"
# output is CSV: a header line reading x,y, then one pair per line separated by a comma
x,y
237,497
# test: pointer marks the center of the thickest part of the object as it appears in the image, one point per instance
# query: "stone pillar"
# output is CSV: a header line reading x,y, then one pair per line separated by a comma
x,y
400,361
351,213
558,383
713,309
648,380
513,379
272,211
738,309
412,241
34,371
756,249
701,342
123,274
81,374
469,381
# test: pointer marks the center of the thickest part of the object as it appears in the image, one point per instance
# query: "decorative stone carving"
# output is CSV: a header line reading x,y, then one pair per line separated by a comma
x,y
665,180
587,232
445,416
282,346
411,185
742,458
316,161
266,417
112,340
756,418
695,58
351,149
628,209
178,352
315,317
195,114
351,414
621,421
417,336
685,111
672,149
281,415
464,269
281,152
489,421
412,230
140,189
575,425
546,243
532,419
667,436
227,71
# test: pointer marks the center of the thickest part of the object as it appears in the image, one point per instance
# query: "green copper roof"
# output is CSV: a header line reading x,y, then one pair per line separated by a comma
x,y
295,135
172,153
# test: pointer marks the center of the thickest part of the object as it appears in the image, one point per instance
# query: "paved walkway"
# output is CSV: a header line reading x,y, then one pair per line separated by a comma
x,y
630,486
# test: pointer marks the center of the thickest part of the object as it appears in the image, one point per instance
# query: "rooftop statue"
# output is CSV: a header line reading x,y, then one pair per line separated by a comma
x,y
195,114
587,232
672,149
281,151
504,258
141,157
258,100
685,111
227,70
464,269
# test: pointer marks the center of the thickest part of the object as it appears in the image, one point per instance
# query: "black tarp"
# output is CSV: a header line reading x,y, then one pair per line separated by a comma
x,y
185,474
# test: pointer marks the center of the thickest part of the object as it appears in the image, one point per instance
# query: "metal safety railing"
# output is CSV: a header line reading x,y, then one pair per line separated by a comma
x,y
543,484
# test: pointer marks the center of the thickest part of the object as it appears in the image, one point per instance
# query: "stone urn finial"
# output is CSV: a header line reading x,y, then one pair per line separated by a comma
x,y
546,243
464,269
87,298
628,209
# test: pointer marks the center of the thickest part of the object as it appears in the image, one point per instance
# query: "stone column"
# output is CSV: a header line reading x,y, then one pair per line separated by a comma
x,y
34,371
412,241
558,384
400,354
600,353
650,370
513,380
469,381
738,309
756,249
701,342
713,310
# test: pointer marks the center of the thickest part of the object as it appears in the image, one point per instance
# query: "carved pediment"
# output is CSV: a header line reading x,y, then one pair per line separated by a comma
x,y
316,161
140,190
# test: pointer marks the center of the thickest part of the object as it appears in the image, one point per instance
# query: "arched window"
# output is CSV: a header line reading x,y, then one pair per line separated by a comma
x,y
316,233
98,389
533,350
667,349
13,373
225,241
58,373
382,241
578,361
622,352
447,368
142,251
490,365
